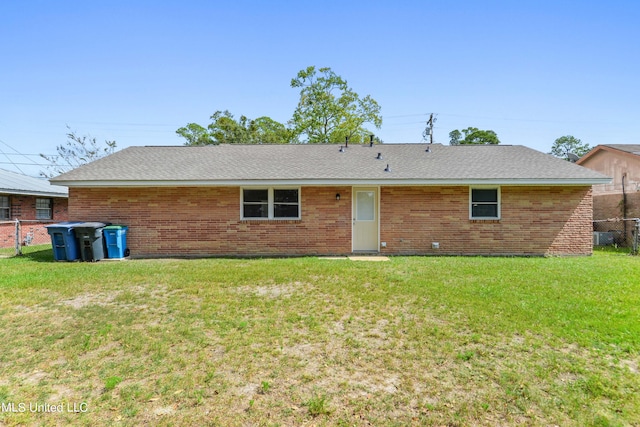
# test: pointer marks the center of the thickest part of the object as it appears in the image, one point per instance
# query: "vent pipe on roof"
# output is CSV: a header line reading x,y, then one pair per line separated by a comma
x,y
387,169
428,150
341,149
371,141
379,156
346,142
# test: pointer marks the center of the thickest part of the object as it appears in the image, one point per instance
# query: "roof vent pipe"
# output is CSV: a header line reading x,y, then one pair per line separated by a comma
x,y
346,142
379,156
428,150
387,169
371,141
341,149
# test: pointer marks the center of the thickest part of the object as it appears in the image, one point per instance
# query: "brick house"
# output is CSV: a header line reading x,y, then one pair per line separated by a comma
x,y
272,200
34,202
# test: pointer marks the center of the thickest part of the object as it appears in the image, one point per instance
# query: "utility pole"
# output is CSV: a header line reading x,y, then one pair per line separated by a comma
x,y
428,131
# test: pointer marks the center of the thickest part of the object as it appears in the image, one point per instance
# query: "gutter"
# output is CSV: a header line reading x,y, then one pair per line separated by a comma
x,y
33,193
337,182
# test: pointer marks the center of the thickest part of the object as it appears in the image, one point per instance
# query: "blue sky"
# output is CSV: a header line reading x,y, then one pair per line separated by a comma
x,y
135,71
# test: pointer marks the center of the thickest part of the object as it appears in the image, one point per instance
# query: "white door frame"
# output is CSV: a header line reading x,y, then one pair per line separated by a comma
x,y
354,191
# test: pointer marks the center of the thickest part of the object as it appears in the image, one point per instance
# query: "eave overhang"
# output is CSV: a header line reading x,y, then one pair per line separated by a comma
x,y
336,182
33,193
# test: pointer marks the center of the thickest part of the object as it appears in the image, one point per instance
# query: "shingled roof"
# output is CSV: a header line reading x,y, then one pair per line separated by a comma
x,y
628,148
312,164
15,183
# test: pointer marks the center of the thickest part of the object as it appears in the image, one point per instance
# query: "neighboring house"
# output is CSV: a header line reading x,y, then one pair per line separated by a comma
x,y
34,202
621,197
304,199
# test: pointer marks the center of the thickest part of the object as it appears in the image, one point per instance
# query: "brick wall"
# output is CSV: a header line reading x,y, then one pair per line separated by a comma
x,y
23,208
206,221
534,221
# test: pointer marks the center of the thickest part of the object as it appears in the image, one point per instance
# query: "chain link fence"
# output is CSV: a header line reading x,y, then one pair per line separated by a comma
x,y
18,233
618,232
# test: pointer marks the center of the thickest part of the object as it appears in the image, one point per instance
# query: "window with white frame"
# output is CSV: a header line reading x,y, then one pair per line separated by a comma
x,y
484,203
43,209
5,208
270,203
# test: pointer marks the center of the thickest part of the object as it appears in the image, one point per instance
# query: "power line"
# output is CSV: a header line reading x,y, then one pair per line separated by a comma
x,y
8,158
405,115
24,154
27,164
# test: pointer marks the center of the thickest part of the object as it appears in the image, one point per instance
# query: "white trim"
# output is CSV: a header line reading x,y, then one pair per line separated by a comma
x,y
351,182
5,209
33,193
485,187
48,210
353,213
270,203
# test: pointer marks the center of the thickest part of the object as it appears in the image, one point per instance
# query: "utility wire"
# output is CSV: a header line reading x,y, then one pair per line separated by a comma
x,y
8,158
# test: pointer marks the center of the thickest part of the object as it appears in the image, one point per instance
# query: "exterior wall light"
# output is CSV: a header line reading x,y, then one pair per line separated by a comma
x,y
337,196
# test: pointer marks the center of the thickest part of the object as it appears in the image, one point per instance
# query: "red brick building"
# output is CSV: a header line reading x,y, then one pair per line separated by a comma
x,y
33,203
239,200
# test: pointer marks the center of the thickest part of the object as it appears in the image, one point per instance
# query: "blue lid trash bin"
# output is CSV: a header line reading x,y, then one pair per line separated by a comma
x,y
63,241
89,235
115,237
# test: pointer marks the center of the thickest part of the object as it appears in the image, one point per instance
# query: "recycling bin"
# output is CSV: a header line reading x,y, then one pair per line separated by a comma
x,y
89,235
63,241
115,237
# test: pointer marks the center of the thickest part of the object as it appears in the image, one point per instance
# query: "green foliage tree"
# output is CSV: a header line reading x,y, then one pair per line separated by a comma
x,y
225,129
195,134
329,110
569,144
268,131
78,151
473,136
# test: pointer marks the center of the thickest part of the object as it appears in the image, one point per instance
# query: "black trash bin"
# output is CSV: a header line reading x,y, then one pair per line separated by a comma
x,y
89,235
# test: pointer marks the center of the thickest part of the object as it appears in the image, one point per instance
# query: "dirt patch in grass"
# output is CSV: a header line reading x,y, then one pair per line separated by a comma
x,y
84,300
273,291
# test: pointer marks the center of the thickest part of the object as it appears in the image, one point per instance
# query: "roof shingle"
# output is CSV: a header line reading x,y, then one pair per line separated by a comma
x,y
306,163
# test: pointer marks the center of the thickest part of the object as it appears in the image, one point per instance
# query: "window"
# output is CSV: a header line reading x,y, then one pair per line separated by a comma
x,y
5,208
285,203
365,206
484,203
255,203
270,203
43,209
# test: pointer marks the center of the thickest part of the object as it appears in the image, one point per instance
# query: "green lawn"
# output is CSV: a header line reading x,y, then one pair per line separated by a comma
x,y
413,341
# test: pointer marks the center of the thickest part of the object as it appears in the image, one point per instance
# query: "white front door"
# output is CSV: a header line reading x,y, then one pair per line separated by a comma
x,y
365,219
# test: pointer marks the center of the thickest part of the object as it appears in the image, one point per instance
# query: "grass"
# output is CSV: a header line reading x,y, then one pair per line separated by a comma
x,y
413,341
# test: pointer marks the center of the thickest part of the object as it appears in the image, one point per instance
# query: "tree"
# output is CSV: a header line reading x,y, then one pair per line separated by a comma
x,y
225,129
268,131
78,151
473,136
329,110
569,144
195,134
